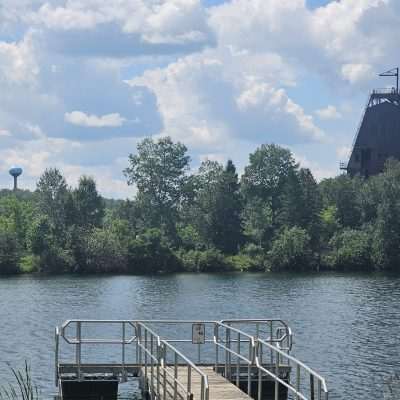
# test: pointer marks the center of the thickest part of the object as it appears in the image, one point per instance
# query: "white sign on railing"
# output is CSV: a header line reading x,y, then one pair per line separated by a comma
x,y
198,333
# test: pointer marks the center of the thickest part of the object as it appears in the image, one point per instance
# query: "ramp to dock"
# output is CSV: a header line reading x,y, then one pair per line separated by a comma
x,y
219,388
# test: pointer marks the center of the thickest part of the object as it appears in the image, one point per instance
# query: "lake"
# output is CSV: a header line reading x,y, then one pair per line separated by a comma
x,y
346,327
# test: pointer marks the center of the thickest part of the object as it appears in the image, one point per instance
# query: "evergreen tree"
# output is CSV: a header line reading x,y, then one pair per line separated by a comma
x,y
226,220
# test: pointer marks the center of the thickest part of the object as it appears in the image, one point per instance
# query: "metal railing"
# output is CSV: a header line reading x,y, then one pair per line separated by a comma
x,y
274,331
315,384
78,340
241,354
247,352
166,376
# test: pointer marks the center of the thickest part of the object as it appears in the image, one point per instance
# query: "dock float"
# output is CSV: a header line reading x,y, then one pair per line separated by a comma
x,y
239,359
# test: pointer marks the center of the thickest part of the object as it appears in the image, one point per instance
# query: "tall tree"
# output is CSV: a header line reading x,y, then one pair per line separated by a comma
x,y
344,193
88,204
54,199
159,172
386,243
267,176
228,234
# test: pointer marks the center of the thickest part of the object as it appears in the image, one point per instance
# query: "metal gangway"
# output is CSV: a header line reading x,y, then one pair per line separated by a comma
x,y
239,359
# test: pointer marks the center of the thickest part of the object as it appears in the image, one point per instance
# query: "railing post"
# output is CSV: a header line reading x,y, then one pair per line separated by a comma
x,y
277,374
123,352
227,353
78,348
165,371
175,376
249,365
297,380
145,355
139,345
319,389
271,332
158,368
216,335
238,361
312,394
189,382
57,338
259,388
152,364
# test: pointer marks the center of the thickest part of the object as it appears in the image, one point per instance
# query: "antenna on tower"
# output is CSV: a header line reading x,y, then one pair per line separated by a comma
x,y
393,72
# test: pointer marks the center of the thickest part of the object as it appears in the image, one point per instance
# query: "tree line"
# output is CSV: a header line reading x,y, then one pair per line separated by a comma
x,y
275,217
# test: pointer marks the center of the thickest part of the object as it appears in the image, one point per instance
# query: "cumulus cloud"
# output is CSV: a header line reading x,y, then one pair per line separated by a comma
x,y
328,113
4,132
355,73
125,26
93,121
343,152
18,64
222,79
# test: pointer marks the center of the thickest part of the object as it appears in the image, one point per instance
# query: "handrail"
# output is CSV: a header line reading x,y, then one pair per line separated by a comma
x,y
161,362
283,326
160,357
321,383
229,352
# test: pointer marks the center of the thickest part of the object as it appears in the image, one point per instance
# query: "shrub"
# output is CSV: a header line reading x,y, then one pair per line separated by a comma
x,y
210,260
29,263
8,251
104,252
149,253
291,251
351,250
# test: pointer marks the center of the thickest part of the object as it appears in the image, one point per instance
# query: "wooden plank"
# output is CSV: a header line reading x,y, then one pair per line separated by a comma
x,y
219,387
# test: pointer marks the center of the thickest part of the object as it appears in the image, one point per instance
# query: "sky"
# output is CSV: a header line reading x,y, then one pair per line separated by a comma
x,y
83,81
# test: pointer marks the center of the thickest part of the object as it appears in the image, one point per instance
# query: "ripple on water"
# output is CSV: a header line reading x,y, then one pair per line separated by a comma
x,y
346,327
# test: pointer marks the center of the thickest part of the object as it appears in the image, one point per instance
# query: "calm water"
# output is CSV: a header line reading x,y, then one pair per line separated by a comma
x,y
346,327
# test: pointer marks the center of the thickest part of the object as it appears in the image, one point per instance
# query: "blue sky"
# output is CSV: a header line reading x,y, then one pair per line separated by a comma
x,y
82,82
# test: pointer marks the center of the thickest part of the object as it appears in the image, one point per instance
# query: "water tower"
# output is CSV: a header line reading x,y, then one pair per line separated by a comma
x,y
15,172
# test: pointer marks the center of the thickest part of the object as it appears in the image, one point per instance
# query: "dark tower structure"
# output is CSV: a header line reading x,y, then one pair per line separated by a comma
x,y
378,136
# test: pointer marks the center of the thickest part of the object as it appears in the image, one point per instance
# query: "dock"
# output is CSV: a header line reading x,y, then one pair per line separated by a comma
x,y
182,360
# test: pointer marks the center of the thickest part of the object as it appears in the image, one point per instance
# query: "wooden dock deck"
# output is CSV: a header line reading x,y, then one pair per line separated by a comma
x,y
219,387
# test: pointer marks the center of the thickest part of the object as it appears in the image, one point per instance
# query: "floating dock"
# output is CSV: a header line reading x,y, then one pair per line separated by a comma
x,y
182,360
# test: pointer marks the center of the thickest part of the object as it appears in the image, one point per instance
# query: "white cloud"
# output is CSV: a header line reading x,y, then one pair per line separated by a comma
x,y
319,171
93,121
356,73
165,21
18,64
246,88
328,113
4,132
343,152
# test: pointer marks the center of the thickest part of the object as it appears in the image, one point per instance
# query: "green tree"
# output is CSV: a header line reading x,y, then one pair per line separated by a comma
x,y
8,248
267,175
257,222
228,233
105,252
343,192
88,204
159,172
52,257
386,243
150,253
291,251
54,200
351,250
